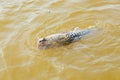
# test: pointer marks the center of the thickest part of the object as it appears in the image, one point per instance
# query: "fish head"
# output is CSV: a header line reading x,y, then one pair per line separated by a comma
x,y
42,43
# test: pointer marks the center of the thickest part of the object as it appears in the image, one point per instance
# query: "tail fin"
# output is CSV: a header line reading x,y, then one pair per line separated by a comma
x,y
87,31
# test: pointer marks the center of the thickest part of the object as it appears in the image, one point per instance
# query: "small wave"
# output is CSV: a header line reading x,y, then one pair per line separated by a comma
x,y
104,7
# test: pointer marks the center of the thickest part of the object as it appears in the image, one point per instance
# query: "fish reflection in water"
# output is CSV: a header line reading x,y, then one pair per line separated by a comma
x,y
56,40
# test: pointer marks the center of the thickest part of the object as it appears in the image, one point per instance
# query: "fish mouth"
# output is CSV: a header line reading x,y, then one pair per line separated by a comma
x,y
40,45
44,45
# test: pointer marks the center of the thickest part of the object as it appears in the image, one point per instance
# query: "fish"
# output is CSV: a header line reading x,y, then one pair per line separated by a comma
x,y
62,39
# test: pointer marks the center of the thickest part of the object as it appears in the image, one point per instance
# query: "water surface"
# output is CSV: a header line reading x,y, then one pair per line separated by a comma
x,y
94,57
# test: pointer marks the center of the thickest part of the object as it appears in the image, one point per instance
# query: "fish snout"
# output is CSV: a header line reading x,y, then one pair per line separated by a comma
x,y
40,43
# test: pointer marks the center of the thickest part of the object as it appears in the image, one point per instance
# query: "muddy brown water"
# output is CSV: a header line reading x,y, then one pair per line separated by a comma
x,y
94,57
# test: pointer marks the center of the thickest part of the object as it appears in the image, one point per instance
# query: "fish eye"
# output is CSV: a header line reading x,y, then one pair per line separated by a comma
x,y
40,41
44,39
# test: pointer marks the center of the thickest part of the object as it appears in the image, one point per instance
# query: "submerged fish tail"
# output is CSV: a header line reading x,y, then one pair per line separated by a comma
x,y
87,31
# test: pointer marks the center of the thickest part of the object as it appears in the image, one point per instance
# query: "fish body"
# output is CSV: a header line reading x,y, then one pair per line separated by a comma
x,y
63,39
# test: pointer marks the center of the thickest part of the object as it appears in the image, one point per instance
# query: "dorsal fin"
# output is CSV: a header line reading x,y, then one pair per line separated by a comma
x,y
92,27
77,29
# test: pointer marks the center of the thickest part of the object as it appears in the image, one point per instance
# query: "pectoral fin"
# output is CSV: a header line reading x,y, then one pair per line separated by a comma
x,y
77,29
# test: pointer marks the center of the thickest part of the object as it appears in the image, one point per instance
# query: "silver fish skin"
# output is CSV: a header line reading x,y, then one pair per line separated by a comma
x,y
63,39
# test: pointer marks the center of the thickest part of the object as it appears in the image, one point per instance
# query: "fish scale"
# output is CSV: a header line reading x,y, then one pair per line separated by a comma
x,y
76,35
72,35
